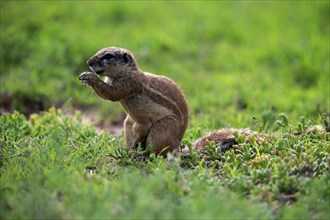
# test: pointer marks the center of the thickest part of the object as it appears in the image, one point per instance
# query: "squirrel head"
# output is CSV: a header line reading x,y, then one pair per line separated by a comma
x,y
112,62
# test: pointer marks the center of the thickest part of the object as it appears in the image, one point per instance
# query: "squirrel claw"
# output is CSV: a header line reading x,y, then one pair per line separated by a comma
x,y
87,77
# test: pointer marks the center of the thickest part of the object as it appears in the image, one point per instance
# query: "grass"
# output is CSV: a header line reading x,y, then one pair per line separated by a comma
x,y
52,166
263,65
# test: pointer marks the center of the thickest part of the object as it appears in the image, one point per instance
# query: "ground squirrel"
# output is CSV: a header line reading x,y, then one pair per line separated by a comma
x,y
157,111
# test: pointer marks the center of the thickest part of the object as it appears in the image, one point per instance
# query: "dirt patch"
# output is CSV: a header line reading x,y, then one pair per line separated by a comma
x,y
29,104
24,103
95,119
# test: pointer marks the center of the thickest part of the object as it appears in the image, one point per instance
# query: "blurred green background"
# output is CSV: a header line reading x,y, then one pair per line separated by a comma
x,y
234,60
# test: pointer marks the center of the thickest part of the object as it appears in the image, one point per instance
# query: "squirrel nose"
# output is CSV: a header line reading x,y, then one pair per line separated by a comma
x,y
90,62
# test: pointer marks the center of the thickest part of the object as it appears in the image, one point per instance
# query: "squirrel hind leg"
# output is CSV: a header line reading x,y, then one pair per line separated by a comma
x,y
164,136
131,139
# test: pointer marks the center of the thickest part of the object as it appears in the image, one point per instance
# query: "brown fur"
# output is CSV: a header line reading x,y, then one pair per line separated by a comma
x,y
223,138
157,112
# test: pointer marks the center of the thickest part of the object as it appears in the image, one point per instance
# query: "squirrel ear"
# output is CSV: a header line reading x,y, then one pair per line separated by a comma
x,y
127,58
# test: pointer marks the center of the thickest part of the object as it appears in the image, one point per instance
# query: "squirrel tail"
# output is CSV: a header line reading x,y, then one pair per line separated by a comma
x,y
225,138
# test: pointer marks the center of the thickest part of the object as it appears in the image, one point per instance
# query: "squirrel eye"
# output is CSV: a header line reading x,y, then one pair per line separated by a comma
x,y
107,56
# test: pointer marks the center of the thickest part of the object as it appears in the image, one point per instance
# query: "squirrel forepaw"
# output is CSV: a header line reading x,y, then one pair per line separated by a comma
x,y
88,77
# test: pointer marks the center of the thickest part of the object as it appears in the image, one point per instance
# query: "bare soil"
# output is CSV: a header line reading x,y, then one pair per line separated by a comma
x,y
28,105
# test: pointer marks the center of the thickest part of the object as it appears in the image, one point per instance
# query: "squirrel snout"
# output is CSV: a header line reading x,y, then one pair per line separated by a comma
x,y
90,62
